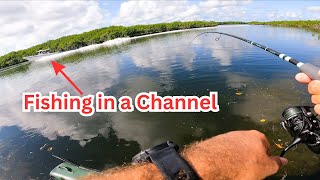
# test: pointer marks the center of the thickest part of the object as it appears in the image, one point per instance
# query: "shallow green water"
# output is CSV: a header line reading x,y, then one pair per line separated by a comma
x,y
167,65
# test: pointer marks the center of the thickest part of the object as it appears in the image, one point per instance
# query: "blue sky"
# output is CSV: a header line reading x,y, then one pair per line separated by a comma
x,y
258,7
255,10
27,23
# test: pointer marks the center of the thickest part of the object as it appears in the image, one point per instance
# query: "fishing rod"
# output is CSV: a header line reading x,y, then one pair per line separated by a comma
x,y
312,71
302,124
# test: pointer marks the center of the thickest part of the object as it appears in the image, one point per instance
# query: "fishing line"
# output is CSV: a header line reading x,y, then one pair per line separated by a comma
x,y
312,71
299,121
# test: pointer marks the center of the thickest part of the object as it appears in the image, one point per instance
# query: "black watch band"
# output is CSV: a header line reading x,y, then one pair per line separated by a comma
x,y
166,157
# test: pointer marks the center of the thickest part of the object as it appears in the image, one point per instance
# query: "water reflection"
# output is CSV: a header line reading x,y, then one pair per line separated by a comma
x,y
52,125
167,65
223,48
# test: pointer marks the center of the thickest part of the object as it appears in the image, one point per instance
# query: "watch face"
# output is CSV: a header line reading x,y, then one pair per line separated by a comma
x,y
163,145
169,162
144,156
159,147
141,157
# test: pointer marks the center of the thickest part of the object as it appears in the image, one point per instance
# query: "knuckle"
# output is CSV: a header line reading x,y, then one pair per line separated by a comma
x,y
259,134
314,87
315,99
275,168
255,132
317,108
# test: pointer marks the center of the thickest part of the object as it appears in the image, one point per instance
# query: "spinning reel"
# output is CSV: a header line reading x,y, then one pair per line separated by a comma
x,y
303,126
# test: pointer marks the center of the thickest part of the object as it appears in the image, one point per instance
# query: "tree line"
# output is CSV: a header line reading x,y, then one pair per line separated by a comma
x,y
101,35
313,25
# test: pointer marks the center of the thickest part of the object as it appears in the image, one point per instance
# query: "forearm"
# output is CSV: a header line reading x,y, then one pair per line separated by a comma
x,y
133,172
215,158
194,154
235,155
206,160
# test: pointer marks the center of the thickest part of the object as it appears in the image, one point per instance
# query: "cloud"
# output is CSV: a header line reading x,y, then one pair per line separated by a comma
x,y
154,55
292,14
24,24
52,125
222,54
222,49
283,15
314,9
140,12
98,74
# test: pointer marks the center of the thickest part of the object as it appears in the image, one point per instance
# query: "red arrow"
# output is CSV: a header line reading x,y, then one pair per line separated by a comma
x,y
58,68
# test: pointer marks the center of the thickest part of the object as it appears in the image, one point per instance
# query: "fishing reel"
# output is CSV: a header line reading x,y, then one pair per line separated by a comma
x,y
303,126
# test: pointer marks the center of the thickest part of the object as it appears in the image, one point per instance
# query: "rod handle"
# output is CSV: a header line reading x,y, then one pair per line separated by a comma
x,y
311,70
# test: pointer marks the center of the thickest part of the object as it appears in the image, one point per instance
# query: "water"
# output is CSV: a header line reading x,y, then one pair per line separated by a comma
x,y
167,65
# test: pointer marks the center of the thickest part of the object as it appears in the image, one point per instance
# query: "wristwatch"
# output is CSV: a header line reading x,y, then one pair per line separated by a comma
x,y
166,157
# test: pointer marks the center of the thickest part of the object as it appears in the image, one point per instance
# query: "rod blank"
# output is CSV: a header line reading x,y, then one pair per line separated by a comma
x,y
312,71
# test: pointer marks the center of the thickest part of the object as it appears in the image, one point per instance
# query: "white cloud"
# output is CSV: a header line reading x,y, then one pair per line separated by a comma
x,y
52,125
138,12
27,23
275,15
291,14
314,9
271,14
154,55
223,50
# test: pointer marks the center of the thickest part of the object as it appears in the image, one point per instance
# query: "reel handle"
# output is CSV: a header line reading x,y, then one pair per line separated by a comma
x,y
296,141
311,70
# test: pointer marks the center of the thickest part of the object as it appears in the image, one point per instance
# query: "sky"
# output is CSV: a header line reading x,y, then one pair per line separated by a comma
x,y
27,23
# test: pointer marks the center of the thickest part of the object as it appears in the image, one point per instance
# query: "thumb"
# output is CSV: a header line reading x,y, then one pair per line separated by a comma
x,y
280,160
303,78
277,162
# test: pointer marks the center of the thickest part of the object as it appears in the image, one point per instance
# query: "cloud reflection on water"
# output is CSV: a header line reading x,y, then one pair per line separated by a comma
x,y
104,72
97,74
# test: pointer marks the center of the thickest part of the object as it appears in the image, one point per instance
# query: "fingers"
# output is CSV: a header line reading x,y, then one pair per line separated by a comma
x,y
280,160
263,139
276,163
317,108
266,143
314,87
315,99
303,78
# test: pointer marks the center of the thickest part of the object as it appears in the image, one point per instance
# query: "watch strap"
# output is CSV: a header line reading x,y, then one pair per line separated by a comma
x,y
172,165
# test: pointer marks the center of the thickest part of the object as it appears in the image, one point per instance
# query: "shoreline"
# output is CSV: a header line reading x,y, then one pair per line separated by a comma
x,y
14,66
109,43
120,41
98,36
311,25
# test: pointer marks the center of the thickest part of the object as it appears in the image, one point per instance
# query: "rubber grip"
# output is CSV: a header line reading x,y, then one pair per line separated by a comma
x,y
312,71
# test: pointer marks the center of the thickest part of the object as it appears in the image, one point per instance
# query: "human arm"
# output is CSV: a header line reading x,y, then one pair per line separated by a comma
x,y
234,155
313,88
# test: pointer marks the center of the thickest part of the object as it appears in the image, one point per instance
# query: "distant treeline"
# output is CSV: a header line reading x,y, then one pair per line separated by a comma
x,y
313,25
101,35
